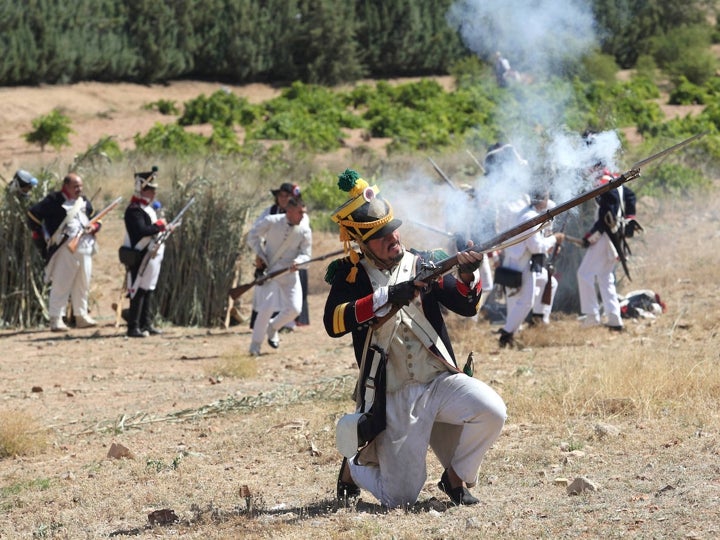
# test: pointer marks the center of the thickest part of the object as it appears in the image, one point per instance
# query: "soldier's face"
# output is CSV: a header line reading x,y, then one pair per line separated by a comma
x,y
74,187
295,214
388,248
282,199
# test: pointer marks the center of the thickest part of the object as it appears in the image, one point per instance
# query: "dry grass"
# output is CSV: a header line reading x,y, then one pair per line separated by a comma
x,y
251,455
20,435
236,365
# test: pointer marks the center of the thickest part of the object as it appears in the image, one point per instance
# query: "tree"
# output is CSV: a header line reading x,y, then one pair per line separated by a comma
x,y
52,129
324,45
627,26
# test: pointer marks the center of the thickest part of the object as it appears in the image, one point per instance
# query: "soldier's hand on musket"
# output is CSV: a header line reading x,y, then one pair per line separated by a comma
x,y
259,263
93,228
559,237
469,261
401,294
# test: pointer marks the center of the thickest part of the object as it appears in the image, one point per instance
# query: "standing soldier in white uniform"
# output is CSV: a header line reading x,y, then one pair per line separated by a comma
x,y
527,257
142,225
55,220
279,241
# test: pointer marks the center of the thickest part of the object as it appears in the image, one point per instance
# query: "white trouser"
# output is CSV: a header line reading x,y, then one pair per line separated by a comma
x,y
538,307
70,278
458,416
520,303
148,280
599,264
282,294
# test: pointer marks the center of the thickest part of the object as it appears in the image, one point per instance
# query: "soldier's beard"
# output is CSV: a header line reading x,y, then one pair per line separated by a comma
x,y
389,264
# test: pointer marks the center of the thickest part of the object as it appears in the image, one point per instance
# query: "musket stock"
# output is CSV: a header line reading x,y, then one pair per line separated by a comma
x,y
73,242
163,236
237,292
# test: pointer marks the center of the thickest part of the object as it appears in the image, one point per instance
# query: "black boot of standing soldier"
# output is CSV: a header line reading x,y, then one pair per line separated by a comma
x,y
147,315
137,303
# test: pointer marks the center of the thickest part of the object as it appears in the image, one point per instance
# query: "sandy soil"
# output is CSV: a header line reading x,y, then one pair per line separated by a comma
x,y
202,441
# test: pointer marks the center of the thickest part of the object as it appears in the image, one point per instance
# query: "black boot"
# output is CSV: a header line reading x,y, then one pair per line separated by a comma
x,y
137,303
146,316
506,339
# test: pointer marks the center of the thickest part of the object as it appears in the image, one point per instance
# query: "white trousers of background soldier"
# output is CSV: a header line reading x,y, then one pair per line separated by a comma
x,y
520,301
70,275
598,265
281,295
148,280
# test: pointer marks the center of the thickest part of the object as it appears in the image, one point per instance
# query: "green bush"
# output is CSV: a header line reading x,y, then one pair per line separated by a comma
x,y
309,116
223,140
221,107
170,139
673,179
469,72
600,67
687,93
323,196
683,51
53,129
163,106
646,68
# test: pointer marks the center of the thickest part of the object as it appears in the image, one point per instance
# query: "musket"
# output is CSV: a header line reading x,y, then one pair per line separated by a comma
x,y
547,291
477,161
442,174
237,292
162,237
73,242
430,271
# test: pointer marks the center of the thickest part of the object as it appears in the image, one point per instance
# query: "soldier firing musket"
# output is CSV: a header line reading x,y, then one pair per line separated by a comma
x,y
430,271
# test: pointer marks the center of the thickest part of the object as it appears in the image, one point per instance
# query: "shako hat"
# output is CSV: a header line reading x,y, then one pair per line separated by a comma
x,y
146,179
365,216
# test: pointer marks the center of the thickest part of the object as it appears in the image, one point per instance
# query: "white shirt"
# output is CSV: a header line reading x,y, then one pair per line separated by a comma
x,y
280,244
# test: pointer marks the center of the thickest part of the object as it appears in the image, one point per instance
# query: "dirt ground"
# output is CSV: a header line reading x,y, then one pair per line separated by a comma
x,y
254,456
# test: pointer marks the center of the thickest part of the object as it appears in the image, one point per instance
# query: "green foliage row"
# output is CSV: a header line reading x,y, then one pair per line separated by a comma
x,y
418,116
316,41
64,41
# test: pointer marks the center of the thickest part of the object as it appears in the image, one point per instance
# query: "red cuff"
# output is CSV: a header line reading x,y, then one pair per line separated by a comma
x,y
465,290
364,309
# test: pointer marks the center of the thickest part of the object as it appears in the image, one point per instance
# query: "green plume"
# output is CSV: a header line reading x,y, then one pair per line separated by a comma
x,y
346,180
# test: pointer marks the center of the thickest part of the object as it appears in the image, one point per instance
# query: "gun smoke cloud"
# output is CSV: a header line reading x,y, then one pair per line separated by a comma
x,y
542,34
540,38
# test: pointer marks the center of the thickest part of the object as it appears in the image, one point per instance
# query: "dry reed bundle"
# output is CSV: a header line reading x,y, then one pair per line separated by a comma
x,y
197,270
22,290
